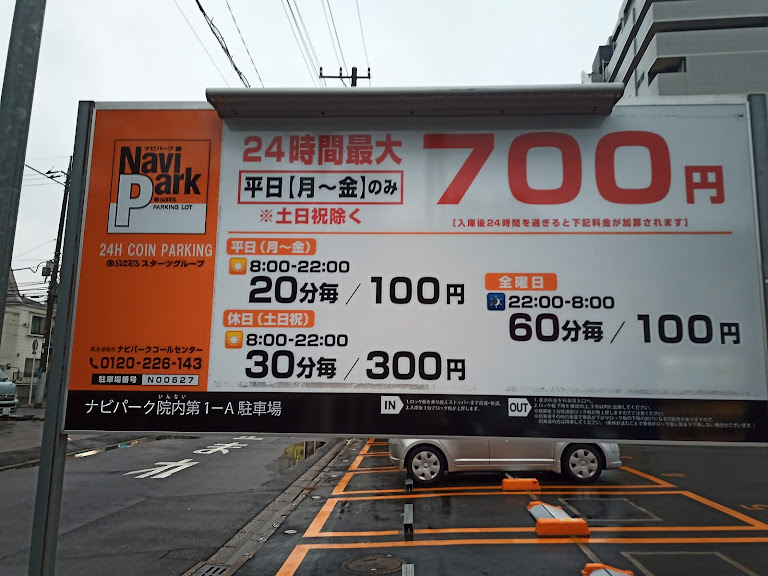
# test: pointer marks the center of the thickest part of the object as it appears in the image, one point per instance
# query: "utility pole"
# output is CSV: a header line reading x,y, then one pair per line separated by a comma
x,y
15,111
53,286
353,78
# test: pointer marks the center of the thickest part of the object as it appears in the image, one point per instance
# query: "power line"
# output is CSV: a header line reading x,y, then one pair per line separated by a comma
x,y
33,177
34,184
26,259
43,174
201,43
220,39
244,44
46,157
296,38
330,11
306,34
330,33
362,35
302,37
36,247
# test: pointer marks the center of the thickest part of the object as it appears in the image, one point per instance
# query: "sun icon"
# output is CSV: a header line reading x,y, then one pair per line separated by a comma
x,y
233,339
237,265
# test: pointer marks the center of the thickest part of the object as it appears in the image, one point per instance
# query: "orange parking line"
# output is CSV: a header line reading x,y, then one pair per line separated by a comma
x,y
364,449
294,560
356,462
674,528
725,510
342,484
500,492
658,481
355,469
369,534
532,529
609,489
368,470
592,528
315,529
299,552
712,540
355,466
378,454
320,519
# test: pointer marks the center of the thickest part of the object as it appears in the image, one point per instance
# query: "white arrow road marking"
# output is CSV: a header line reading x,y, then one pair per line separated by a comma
x,y
164,469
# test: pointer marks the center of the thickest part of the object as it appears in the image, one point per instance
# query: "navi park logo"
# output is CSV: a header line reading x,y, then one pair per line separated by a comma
x,y
159,187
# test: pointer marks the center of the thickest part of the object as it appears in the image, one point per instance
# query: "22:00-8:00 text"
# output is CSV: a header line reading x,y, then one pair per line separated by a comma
x,y
576,302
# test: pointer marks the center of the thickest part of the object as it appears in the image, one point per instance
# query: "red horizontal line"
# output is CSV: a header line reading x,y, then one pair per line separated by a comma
x,y
321,171
311,232
336,203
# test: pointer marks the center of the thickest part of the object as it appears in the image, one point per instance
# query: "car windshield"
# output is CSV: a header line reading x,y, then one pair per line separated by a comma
x,y
3,377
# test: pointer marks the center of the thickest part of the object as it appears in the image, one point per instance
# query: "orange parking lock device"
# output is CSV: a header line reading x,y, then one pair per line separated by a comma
x,y
553,521
522,484
592,569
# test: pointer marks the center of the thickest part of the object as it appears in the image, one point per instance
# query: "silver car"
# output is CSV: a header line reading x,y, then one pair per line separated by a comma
x,y
427,460
9,400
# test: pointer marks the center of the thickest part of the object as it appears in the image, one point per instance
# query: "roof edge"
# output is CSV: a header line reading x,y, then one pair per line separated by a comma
x,y
592,99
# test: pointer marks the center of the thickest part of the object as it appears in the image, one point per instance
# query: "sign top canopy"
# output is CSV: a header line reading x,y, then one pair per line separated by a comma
x,y
339,102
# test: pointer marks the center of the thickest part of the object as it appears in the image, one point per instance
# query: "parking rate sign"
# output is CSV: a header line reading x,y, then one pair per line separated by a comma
x,y
552,276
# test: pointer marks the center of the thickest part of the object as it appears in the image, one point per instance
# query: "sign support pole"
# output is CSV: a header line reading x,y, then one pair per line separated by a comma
x,y
15,112
50,479
758,113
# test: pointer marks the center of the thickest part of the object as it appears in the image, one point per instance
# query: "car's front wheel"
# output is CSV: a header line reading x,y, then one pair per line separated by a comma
x,y
582,463
425,464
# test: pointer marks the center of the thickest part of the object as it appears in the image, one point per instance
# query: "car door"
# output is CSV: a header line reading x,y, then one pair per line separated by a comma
x,y
467,453
521,453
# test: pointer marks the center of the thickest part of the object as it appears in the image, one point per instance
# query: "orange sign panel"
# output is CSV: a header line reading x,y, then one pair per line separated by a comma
x,y
154,182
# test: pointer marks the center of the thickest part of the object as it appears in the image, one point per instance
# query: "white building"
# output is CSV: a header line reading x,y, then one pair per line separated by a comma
x,y
680,47
24,323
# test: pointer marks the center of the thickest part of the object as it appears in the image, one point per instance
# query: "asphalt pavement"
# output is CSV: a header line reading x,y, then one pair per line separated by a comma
x,y
670,510
160,505
260,510
21,436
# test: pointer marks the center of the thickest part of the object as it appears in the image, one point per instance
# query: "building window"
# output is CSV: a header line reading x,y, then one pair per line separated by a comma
x,y
666,65
28,367
640,80
38,324
627,10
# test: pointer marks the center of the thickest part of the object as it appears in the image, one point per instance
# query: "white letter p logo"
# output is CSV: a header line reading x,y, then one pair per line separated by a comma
x,y
126,202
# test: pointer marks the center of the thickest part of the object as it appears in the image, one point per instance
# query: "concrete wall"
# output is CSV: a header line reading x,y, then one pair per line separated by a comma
x,y
716,62
729,59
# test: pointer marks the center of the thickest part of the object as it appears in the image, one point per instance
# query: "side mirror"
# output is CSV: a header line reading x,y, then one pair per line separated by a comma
x,y
17,376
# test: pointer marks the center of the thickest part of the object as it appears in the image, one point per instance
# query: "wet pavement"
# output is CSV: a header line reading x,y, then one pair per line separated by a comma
x,y
667,511
21,436
644,517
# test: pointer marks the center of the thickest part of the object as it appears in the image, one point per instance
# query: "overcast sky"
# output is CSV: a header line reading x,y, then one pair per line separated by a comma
x,y
107,50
